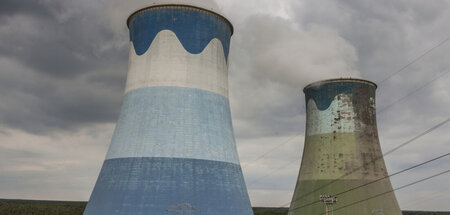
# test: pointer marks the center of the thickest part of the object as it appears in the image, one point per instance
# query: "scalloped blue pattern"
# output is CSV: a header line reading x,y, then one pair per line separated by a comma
x,y
194,29
324,94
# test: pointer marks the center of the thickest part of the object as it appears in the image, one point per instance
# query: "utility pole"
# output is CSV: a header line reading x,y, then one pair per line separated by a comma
x,y
328,201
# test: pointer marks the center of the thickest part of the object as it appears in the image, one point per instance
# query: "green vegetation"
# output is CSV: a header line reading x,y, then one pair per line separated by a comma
x,y
424,213
27,207
270,211
283,211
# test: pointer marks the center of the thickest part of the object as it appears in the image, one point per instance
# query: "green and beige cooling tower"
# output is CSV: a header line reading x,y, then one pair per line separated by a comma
x,y
342,154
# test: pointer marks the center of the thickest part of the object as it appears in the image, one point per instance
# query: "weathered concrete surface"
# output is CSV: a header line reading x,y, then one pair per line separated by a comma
x,y
173,150
342,151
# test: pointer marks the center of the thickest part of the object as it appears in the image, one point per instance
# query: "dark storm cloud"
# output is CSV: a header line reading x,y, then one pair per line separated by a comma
x,y
32,7
59,42
38,103
385,35
61,66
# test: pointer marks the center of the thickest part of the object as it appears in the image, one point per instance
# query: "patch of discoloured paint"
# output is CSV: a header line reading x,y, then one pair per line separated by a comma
x,y
332,155
342,151
384,202
339,117
324,92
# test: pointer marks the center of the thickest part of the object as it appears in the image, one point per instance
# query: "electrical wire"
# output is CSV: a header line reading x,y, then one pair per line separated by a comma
x,y
377,180
379,83
417,137
374,160
378,112
413,61
273,172
271,150
411,93
392,190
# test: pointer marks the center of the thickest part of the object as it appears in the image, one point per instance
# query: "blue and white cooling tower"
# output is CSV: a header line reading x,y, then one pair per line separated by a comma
x,y
173,150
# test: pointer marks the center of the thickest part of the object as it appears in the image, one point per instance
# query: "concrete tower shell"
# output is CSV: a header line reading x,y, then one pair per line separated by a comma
x,y
341,137
173,149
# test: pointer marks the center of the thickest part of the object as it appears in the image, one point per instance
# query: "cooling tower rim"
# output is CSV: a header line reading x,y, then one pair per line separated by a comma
x,y
354,80
159,6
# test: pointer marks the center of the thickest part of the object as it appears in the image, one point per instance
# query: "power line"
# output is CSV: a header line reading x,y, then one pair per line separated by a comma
x,y
273,172
379,83
414,91
379,157
377,180
291,162
414,60
385,154
272,149
379,112
394,174
375,159
417,137
392,190
382,110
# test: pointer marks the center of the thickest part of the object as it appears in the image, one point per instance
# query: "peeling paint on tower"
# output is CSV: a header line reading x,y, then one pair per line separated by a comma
x,y
342,150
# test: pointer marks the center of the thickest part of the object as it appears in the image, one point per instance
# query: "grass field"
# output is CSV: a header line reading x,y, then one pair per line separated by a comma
x,y
25,207
28,207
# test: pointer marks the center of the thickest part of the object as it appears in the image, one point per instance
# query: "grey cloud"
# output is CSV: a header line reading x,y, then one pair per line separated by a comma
x,y
17,154
63,166
41,104
62,67
385,36
63,63
296,57
59,47
376,28
33,7
271,62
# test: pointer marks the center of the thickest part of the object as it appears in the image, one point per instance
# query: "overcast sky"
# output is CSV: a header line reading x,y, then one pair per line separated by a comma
x,y
63,66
